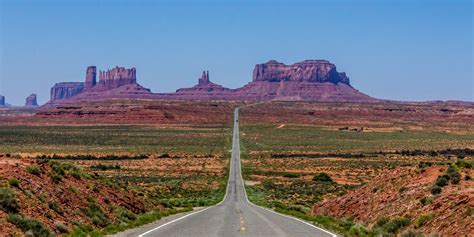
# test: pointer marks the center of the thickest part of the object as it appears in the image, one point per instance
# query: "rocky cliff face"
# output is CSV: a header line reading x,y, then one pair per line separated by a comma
x,y
306,71
2,100
109,81
64,90
91,74
116,77
310,80
31,101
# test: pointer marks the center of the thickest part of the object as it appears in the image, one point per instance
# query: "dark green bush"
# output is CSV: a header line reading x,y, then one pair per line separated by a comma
x,y
27,224
396,224
61,227
442,181
322,177
96,215
14,182
8,201
435,189
55,206
33,169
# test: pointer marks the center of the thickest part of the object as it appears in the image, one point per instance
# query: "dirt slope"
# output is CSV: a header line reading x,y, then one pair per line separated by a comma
x,y
399,193
72,200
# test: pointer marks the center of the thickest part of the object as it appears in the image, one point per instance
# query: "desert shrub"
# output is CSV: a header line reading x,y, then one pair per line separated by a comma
x,y
411,233
467,177
442,181
105,167
55,206
322,177
396,224
468,211
29,225
14,182
33,169
124,215
42,198
358,230
96,215
435,189
381,221
422,220
291,175
455,178
426,200
56,178
8,201
61,227
463,164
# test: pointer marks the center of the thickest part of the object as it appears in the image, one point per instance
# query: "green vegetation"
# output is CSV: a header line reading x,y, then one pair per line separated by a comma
x,y
266,137
26,224
14,182
33,169
94,212
322,177
423,219
8,200
204,139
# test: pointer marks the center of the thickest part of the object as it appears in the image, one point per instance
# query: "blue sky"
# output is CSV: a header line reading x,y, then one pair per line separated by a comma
x,y
402,50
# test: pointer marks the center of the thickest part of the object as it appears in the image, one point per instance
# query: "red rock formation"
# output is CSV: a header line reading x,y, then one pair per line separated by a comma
x,y
2,100
310,80
91,74
64,90
205,89
31,101
306,71
117,77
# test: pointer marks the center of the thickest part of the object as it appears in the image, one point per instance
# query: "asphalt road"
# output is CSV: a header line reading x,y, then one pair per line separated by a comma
x,y
235,215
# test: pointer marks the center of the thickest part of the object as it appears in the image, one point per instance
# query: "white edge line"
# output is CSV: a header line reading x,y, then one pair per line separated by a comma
x,y
272,211
193,213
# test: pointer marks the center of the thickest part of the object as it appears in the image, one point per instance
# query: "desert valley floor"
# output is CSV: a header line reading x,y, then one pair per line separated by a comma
x,y
358,169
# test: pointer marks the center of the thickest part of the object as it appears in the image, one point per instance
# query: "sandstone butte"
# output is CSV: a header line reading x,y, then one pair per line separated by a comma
x,y
31,101
2,101
310,80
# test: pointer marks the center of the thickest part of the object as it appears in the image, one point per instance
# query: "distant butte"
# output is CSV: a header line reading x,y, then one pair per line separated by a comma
x,y
31,101
309,80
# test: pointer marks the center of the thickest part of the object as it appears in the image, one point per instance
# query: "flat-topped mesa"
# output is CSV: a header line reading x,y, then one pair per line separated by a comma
x,y
31,101
117,77
305,71
2,101
91,75
64,90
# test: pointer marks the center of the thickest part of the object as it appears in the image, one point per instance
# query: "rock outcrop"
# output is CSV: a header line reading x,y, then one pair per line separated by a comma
x,y
306,71
2,101
91,74
115,78
31,101
204,90
65,90
309,80
117,82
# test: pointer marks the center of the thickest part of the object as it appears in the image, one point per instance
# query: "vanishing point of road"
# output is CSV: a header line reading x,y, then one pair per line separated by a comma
x,y
235,215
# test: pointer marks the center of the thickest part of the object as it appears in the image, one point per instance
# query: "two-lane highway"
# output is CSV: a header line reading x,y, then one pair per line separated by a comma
x,y
235,215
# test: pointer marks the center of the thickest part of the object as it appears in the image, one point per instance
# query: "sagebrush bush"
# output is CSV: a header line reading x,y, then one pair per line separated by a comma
x,y
29,225
435,189
8,200
14,182
33,169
